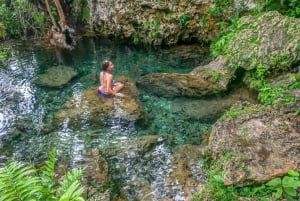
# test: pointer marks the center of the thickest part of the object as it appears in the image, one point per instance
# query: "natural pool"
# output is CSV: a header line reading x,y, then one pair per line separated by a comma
x,y
25,108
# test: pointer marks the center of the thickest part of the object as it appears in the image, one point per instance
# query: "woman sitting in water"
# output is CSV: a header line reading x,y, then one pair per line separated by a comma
x,y
108,87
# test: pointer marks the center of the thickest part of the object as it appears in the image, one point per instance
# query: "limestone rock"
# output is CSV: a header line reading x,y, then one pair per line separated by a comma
x,y
263,144
56,77
158,22
270,39
216,71
94,109
176,85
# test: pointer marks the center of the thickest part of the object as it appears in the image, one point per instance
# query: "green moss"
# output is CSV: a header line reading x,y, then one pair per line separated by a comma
x,y
235,113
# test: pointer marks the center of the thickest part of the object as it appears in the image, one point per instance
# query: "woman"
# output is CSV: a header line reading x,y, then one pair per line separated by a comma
x,y
108,87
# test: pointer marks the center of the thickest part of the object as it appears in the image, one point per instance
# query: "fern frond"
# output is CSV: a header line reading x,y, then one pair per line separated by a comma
x,y
73,193
47,177
49,168
18,182
69,186
69,179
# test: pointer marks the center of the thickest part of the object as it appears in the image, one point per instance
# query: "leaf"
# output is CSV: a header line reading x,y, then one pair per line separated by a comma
x,y
293,173
278,193
290,191
274,182
290,182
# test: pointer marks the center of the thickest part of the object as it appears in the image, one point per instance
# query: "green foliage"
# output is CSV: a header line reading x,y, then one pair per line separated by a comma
x,y
2,30
17,182
25,183
80,10
153,25
268,94
184,20
235,113
286,7
285,187
23,19
276,189
220,46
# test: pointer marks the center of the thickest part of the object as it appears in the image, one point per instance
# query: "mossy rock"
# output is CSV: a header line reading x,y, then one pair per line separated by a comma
x,y
56,77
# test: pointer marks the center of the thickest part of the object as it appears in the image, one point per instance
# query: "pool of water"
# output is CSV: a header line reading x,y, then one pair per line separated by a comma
x,y
25,108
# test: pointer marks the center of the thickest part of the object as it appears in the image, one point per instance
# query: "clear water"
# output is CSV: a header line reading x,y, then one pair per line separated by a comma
x,y
25,109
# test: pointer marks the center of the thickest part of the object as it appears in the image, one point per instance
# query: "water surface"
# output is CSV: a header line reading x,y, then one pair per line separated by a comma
x,y
25,108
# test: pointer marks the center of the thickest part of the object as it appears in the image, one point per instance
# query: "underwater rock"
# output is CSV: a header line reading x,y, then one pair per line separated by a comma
x,y
262,143
56,77
93,109
187,170
172,85
209,110
96,175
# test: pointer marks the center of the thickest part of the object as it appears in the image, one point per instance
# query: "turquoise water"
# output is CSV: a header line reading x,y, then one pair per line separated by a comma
x,y
25,108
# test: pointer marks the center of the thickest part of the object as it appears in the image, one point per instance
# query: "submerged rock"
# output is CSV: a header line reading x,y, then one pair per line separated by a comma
x,y
57,76
262,144
93,109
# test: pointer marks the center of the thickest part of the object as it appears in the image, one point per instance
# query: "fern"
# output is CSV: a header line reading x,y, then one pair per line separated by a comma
x,y
69,187
47,176
18,182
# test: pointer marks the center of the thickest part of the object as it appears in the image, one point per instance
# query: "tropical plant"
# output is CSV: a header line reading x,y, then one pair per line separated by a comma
x,y
286,186
287,7
21,182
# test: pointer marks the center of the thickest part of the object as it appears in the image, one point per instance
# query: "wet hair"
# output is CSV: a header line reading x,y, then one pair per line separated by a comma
x,y
105,64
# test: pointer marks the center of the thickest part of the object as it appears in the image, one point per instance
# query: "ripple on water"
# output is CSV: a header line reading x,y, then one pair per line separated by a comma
x,y
6,120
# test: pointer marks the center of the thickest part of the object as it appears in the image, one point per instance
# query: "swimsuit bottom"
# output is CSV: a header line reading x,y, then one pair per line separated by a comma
x,y
103,94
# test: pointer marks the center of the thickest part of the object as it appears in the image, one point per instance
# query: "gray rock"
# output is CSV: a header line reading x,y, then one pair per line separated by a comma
x,y
262,142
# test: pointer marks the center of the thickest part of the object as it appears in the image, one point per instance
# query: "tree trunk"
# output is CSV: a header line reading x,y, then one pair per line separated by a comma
x,y
60,36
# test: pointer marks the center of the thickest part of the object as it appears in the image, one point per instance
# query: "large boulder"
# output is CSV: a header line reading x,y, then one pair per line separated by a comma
x,y
176,85
270,39
94,109
57,76
159,22
255,144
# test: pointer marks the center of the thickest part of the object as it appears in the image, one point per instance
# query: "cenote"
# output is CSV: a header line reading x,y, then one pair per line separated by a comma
x,y
27,108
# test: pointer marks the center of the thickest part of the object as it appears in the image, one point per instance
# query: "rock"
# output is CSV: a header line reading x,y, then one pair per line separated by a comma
x,y
185,170
56,77
270,39
176,85
96,175
94,109
209,110
216,71
158,22
262,143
